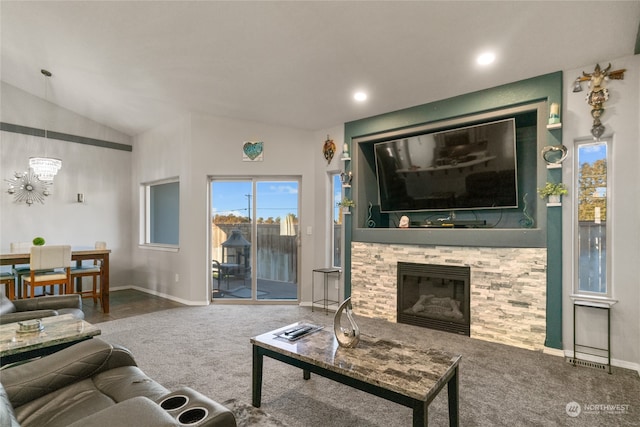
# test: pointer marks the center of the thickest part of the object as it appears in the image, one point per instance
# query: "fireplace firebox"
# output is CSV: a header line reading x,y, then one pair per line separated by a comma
x,y
434,296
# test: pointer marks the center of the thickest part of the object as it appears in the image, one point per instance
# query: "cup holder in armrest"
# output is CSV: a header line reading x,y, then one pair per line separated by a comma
x,y
174,402
193,415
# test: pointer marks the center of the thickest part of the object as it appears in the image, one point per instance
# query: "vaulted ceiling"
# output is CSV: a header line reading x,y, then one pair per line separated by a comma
x,y
133,65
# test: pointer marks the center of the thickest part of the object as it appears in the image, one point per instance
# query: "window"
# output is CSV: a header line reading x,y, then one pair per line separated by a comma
x,y
336,220
593,189
162,213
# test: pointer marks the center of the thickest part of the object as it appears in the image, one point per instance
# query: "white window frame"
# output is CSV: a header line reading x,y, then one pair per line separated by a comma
x,y
145,237
608,226
333,209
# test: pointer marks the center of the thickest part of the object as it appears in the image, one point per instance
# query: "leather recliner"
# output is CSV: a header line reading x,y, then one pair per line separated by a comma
x,y
37,308
96,384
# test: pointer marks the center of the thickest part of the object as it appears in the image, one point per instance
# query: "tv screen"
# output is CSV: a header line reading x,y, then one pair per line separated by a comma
x,y
472,167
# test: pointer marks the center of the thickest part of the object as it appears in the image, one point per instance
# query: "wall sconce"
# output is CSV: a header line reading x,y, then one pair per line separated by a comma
x,y
598,93
577,85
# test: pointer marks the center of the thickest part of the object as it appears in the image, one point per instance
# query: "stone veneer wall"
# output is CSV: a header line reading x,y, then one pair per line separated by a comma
x,y
508,286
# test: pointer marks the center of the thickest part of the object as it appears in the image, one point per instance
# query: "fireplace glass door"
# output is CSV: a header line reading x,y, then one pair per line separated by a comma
x,y
434,296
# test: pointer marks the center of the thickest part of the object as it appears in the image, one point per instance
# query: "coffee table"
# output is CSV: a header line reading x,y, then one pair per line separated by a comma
x,y
59,332
392,370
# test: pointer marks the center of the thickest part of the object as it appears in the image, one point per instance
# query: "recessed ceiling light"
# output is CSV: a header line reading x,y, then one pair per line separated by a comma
x,y
486,58
360,96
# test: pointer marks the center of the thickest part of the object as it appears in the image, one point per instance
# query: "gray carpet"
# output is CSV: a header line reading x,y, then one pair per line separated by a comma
x,y
208,349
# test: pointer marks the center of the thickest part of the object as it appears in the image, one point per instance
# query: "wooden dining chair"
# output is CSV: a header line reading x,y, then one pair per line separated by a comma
x,y
9,281
49,265
93,270
20,269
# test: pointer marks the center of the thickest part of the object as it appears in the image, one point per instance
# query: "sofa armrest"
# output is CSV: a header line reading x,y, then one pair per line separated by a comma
x,y
20,316
189,406
53,302
141,410
26,382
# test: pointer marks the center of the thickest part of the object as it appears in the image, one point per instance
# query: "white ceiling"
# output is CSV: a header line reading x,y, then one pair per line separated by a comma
x,y
133,65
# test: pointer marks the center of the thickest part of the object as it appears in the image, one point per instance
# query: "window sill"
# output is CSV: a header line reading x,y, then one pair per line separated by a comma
x,y
592,300
158,247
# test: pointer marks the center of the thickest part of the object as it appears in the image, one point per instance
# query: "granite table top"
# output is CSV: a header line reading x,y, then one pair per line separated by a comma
x,y
393,365
57,330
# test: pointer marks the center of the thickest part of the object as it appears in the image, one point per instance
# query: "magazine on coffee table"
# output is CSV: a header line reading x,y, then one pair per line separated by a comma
x,y
298,331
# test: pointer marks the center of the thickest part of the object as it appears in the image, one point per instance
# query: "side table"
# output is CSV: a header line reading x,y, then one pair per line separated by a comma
x,y
325,301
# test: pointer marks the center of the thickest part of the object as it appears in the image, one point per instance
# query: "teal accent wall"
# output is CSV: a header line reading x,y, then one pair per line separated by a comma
x,y
546,88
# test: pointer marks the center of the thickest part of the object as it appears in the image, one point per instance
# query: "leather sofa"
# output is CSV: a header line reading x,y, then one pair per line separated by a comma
x,y
96,384
37,308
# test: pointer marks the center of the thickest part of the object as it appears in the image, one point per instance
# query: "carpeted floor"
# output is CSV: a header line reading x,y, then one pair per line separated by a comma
x,y
208,349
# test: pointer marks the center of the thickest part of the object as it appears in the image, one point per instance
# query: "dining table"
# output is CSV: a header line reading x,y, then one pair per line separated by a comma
x,y
78,254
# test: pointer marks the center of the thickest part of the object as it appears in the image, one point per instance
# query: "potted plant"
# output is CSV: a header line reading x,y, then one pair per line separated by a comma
x,y
38,241
346,204
553,191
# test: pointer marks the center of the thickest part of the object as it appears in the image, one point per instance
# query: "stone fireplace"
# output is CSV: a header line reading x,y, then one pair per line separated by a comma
x,y
507,286
434,296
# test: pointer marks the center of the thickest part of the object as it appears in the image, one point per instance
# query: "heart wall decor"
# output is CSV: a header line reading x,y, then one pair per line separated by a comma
x,y
252,151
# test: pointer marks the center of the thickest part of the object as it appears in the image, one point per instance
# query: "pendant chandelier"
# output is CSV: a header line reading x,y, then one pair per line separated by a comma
x,y
45,168
34,185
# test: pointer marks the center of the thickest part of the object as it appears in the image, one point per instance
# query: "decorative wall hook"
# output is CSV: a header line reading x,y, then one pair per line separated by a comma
x,y
598,94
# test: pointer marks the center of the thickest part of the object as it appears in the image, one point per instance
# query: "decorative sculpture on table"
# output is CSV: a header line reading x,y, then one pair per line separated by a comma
x,y
347,337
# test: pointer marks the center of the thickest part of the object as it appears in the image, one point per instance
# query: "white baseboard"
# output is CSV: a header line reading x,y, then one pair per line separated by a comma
x,y
553,351
162,295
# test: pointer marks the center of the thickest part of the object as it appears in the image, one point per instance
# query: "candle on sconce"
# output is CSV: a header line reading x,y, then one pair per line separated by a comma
x,y
345,149
554,113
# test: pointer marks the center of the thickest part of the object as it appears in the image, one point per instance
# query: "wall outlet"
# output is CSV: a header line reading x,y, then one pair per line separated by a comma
x,y
177,277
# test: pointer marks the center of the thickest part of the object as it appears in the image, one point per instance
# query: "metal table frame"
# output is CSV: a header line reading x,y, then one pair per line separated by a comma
x,y
419,407
325,301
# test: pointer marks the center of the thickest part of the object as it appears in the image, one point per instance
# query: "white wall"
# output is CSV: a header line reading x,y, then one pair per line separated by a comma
x,y
102,174
621,119
196,148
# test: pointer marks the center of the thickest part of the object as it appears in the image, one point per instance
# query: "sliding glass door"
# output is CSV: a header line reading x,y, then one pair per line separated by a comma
x,y
254,239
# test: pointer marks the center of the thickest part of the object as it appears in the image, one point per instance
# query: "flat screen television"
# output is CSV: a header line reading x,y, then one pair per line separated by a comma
x,y
467,168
